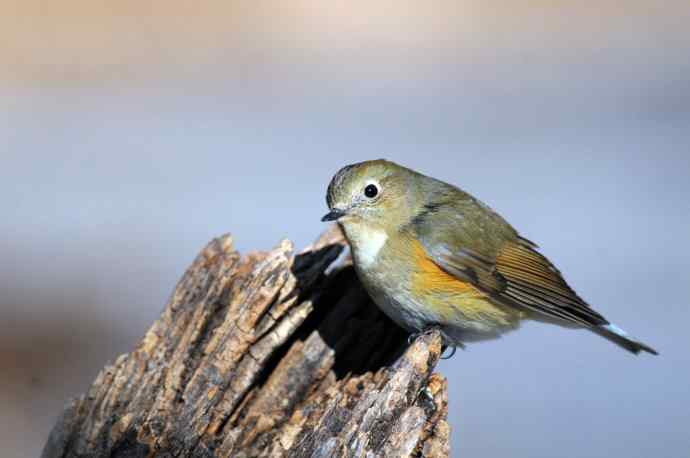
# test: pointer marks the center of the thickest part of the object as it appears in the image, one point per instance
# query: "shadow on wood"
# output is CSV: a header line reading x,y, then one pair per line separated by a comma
x,y
268,354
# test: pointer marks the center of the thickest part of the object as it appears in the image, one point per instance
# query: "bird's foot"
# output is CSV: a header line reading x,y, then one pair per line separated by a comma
x,y
428,330
425,331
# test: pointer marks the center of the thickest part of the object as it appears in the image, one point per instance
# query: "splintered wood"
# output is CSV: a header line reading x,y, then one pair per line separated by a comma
x,y
270,355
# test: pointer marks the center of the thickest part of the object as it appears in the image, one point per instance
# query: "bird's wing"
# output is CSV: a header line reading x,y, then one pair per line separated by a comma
x,y
471,242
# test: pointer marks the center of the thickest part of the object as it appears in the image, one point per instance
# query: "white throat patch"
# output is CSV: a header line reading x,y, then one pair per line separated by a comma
x,y
367,246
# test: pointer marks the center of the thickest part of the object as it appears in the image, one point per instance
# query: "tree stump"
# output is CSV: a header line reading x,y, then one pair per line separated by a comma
x,y
268,354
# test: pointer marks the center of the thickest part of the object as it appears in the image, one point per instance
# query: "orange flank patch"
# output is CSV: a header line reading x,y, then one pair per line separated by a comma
x,y
430,277
454,299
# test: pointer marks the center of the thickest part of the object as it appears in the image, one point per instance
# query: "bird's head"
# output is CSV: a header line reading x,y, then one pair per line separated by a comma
x,y
378,194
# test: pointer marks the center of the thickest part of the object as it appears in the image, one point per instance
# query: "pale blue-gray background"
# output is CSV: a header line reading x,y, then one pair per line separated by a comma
x,y
575,125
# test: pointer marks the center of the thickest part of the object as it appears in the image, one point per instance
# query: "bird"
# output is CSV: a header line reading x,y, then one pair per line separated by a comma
x,y
432,256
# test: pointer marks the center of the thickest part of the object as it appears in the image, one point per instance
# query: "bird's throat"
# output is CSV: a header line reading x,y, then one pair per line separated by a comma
x,y
366,242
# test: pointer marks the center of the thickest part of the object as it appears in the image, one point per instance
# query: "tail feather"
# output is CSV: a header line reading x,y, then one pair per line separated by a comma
x,y
620,337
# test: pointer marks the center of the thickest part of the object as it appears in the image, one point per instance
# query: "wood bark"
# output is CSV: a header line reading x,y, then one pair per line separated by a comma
x,y
270,354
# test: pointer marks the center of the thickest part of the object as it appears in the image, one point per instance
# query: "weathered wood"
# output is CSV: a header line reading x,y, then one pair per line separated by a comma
x,y
268,354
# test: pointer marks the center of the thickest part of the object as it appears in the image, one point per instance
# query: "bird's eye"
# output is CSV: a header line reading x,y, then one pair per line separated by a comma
x,y
371,191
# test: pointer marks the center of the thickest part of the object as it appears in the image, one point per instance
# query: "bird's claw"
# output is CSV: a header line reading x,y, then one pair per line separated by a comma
x,y
423,332
453,349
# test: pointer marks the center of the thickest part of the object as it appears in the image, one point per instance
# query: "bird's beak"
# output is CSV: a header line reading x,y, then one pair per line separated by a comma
x,y
334,215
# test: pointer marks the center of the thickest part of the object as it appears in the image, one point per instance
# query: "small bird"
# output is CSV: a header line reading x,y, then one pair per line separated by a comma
x,y
432,256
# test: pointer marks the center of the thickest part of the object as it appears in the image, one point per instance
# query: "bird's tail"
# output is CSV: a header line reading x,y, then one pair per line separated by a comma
x,y
620,337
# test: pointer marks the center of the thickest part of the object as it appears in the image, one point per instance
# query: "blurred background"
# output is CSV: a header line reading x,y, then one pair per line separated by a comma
x,y
132,132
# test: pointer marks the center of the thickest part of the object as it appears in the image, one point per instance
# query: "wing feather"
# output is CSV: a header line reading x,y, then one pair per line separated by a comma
x,y
542,286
